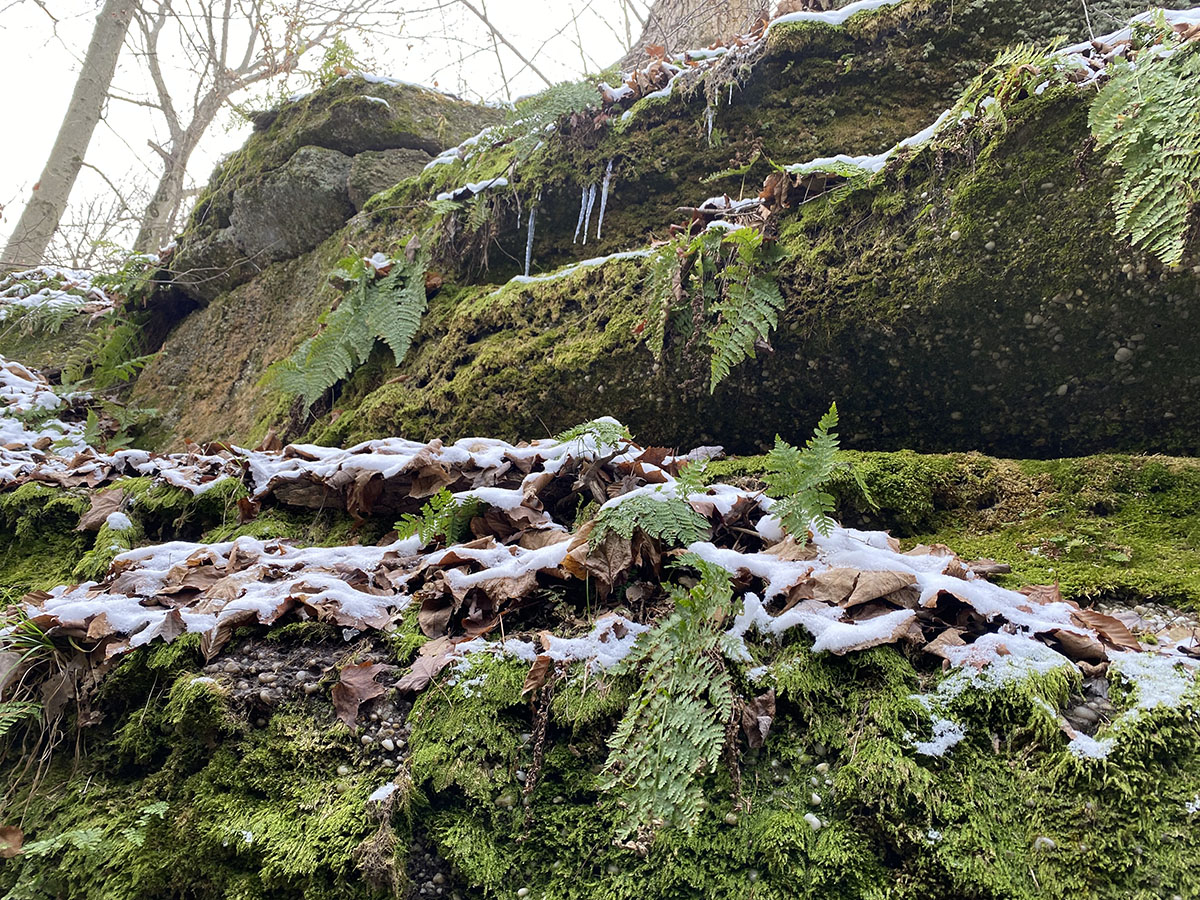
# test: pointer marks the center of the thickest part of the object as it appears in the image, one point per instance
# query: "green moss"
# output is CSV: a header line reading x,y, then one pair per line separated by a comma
x,y
39,546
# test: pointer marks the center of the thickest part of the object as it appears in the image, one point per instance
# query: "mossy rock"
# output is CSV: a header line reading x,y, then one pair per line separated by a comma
x,y
234,230
971,298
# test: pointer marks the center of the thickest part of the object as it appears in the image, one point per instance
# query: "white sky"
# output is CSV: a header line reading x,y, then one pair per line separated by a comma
x,y
39,61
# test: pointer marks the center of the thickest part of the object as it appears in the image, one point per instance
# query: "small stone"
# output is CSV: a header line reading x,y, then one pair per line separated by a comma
x,y
956,235
1123,354
232,668
813,822
388,744
267,678
1044,843
731,818
521,776
822,768
343,771
989,246
439,878
815,798
523,892
260,723
265,697
367,740
1062,390
311,687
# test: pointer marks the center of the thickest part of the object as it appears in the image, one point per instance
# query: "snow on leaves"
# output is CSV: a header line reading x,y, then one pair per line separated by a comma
x,y
523,552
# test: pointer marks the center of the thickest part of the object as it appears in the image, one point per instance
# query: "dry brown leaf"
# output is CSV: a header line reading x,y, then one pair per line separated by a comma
x,y
834,585
100,628
1111,630
873,585
536,539
356,686
12,839
1079,647
790,550
951,637
434,656
538,673
757,716
104,504
1042,593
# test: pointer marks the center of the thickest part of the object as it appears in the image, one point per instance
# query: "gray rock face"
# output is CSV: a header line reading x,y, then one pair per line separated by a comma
x,y
308,167
294,208
375,170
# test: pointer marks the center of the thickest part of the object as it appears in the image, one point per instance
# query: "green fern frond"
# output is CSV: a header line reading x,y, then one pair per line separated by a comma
x,y
14,712
798,479
1148,120
747,314
389,308
669,519
443,518
607,433
674,727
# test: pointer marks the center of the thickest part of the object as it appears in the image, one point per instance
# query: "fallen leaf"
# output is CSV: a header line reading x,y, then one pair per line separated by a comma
x,y
1079,646
104,504
434,656
355,686
873,585
538,673
790,550
1042,593
757,716
12,839
1111,630
833,586
951,637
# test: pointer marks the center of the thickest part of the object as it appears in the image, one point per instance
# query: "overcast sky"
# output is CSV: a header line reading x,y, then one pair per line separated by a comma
x,y
39,60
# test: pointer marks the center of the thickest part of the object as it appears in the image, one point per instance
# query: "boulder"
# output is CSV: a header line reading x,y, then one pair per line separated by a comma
x,y
375,170
220,248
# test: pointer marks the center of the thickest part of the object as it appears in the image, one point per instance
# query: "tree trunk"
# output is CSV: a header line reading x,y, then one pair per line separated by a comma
x,y
686,24
41,215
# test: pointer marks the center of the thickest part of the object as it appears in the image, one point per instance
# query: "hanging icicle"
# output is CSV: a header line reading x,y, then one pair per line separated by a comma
x,y
591,201
604,198
708,119
579,224
529,237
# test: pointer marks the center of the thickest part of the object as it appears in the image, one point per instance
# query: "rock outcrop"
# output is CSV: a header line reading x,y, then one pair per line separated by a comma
x,y
307,168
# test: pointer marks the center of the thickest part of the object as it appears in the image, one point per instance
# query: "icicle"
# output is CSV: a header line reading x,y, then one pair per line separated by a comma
x,y
604,198
529,238
579,224
708,118
591,201
731,93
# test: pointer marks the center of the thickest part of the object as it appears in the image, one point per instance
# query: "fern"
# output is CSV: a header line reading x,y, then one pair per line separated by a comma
x,y
606,433
727,272
674,728
1148,119
14,712
108,356
798,478
529,117
669,519
442,518
387,308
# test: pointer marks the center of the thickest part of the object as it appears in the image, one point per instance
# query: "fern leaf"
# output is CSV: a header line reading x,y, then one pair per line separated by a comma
x,y
444,517
674,727
14,712
797,479
669,519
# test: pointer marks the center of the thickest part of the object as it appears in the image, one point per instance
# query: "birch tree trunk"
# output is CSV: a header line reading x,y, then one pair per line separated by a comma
x,y
40,218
